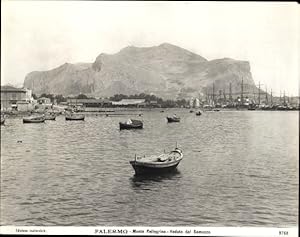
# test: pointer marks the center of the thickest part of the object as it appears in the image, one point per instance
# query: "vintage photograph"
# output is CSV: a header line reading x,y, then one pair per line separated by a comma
x,y
150,114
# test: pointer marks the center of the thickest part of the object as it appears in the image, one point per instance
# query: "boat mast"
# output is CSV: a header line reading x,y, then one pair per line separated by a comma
x,y
230,93
271,97
242,92
266,95
213,94
280,97
258,93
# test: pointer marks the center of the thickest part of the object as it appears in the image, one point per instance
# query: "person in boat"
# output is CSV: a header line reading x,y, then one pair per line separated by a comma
x,y
129,121
174,116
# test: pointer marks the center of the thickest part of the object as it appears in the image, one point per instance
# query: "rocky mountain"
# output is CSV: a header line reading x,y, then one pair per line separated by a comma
x,y
166,71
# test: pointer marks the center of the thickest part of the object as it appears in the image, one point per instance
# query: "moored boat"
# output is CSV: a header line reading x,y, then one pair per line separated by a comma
x,y
157,164
34,119
173,119
131,124
74,117
198,113
51,116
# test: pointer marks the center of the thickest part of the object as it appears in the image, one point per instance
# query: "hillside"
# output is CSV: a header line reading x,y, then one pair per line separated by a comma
x,y
166,70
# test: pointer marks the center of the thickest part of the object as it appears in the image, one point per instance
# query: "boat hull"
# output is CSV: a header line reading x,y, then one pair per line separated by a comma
x,y
141,169
173,120
130,126
81,118
33,120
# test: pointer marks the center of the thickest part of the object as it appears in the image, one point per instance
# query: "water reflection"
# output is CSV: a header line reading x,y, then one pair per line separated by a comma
x,y
148,179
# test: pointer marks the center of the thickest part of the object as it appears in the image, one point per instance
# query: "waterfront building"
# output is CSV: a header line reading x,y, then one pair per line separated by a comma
x,y
13,98
44,100
92,103
154,104
130,103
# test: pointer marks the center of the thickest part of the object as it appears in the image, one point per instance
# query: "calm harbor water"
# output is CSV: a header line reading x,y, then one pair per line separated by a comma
x,y
240,168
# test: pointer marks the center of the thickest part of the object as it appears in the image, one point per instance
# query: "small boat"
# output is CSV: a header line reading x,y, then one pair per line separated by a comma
x,y
131,124
198,113
74,117
51,116
34,119
173,119
157,164
216,110
191,111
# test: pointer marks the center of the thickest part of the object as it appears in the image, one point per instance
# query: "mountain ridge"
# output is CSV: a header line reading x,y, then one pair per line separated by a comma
x,y
166,70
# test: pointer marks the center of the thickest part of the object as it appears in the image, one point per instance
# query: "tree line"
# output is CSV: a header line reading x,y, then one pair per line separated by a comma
x,y
148,98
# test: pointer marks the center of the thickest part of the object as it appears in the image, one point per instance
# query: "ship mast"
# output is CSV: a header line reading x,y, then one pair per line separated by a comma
x,y
230,93
266,95
259,93
242,92
213,95
271,97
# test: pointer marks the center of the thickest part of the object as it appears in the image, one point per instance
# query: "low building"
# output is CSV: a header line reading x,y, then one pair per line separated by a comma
x,y
130,103
153,104
10,96
44,100
95,103
24,106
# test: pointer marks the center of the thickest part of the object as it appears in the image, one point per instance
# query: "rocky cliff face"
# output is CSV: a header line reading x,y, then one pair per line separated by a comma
x,y
166,70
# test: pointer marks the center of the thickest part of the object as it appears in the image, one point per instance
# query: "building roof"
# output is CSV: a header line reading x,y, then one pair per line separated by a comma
x,y
89,101
12,89
129,102
44,98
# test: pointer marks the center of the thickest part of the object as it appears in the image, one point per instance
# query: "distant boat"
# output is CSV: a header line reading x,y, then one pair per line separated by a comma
x,y
173,119
34,119
75,117
191,111
50,116
131,124
157,164
198,113
216,110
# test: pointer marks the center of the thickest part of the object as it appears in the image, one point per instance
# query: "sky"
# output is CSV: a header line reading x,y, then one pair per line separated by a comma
x,y
42,35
